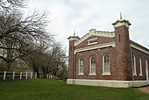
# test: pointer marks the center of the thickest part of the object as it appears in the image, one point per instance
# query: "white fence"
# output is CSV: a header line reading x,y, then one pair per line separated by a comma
x,y
13,75
52,76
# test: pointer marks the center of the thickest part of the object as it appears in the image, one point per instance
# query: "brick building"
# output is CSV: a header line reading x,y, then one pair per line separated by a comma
x,y
103,58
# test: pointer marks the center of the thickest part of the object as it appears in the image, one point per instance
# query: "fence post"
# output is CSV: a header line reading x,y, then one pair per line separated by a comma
x,y
13,75
35,74
31,75
26,75
20,75
4,77
47,75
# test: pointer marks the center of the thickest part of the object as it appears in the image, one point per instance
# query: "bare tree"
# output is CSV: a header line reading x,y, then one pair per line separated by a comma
x,y
9,5
17,31
57,60
26,39
37,57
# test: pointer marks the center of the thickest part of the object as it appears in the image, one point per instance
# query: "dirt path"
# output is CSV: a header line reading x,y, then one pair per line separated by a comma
x,y
144,89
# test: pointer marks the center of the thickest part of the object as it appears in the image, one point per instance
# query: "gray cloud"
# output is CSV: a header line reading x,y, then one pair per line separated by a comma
x,y
82,15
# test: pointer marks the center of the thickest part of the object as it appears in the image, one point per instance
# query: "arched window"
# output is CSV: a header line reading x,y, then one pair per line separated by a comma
x,y
134,65
81,66
106,64
147,73
146,63
92,65
140,64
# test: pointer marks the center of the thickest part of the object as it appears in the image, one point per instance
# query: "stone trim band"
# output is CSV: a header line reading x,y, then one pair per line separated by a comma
x,y
111,44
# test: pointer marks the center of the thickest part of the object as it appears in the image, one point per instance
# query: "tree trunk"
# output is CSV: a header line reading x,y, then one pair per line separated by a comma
x,y
44,72
37,71
8,65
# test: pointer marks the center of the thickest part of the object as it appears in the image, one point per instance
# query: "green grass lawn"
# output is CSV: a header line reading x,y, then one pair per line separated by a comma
x,y
46,89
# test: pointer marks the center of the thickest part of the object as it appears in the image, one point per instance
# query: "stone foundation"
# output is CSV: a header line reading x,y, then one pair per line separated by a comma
x,y
108,83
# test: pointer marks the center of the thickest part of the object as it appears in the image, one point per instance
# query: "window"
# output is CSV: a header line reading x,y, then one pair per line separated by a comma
x,y
92,65
106,64
134,65
147,73
146,63
140,64
81,66
92,41
119,38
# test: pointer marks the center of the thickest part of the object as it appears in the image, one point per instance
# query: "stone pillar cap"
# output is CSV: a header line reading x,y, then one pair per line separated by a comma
x,y
121,22
71,38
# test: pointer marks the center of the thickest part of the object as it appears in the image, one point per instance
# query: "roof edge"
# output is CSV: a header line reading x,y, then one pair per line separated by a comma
x,y
139,45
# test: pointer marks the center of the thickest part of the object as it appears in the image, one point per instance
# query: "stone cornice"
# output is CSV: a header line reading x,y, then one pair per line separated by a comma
x,y
111,44
93,32
71,38
121,22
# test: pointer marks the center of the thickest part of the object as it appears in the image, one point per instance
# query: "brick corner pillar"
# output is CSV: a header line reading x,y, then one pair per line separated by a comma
x,y
71,63
122,49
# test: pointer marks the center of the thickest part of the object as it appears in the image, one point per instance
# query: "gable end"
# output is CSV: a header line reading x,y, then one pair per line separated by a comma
x,y
93,32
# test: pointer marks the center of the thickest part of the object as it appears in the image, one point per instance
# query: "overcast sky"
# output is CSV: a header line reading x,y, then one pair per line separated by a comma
x,y
83,15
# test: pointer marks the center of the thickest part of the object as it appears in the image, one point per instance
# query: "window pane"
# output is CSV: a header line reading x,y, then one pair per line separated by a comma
x,y
93,41
140,65
133,64
81,65
106,64
93,65
81,62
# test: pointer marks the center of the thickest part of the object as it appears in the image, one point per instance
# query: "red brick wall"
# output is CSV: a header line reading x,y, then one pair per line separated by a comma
x,y
99,64
143,57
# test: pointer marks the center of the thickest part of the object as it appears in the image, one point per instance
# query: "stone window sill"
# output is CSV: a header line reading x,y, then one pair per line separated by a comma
x,y
92,74
106,73
140,75
81,74
134,74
